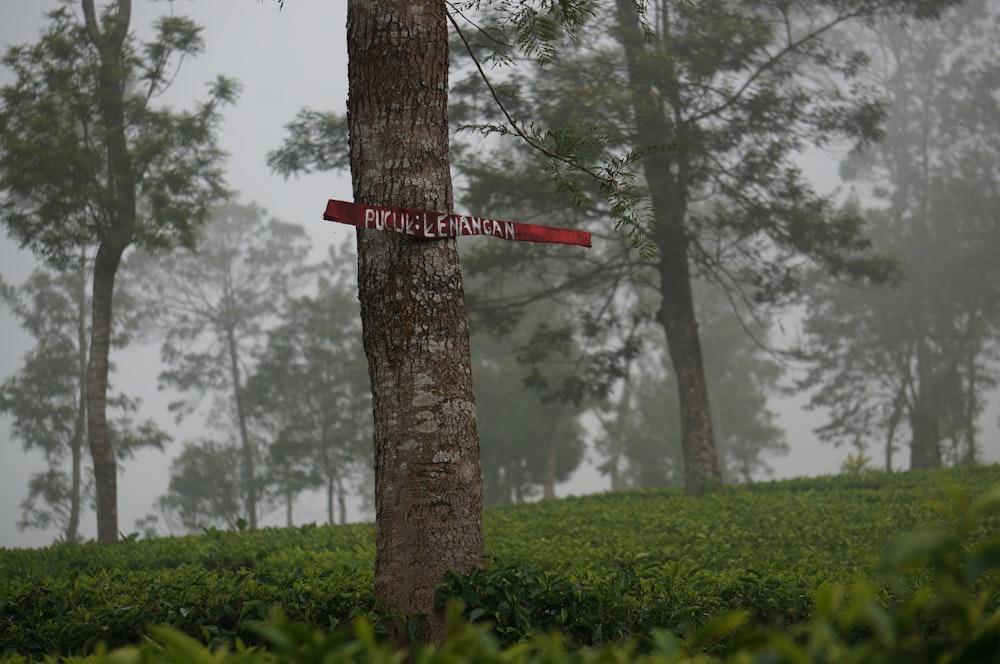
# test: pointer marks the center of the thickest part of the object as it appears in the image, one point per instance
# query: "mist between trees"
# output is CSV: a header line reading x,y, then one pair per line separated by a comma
x,y
674,138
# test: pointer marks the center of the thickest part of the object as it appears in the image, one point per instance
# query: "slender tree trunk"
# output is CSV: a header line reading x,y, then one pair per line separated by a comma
x,y
101,450
549,484
428,488
342,501
329,499
925,450
552,453
894,417
722,442
617,443
246,444
289,501
108,38
701,464
666,174
971,403
80,427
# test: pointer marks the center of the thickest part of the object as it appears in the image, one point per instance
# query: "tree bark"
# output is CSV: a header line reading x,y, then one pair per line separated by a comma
x,y
101,450
428,487
666,175
115,238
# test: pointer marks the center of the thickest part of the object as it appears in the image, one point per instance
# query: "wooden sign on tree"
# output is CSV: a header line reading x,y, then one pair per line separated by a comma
x,y
429,224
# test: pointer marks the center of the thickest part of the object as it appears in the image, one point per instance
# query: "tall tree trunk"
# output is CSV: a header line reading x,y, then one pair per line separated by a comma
x,y
246,444
552,452
894,417
80,427
549,481
342,501
666,175
925,450
972,344
617,443
108,38
701,463
101,450
329,498
428,487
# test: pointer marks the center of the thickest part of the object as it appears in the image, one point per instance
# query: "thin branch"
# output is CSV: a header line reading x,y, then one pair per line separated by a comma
x,y
478,27
770,63
514,125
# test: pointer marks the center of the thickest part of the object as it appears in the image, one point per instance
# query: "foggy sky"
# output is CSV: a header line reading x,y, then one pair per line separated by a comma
x,y
284,60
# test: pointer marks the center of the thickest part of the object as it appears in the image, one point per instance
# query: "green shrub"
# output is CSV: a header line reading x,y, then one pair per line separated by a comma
x,y
784,571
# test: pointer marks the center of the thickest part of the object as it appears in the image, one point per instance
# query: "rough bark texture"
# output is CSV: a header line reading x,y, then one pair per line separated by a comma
x,y
103,454
666,174
115,238
428,487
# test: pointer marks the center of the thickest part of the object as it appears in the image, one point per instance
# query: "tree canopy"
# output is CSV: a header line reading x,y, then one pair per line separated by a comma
x,y
89,160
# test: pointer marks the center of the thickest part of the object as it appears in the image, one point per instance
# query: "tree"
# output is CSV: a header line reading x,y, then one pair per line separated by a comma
x,y
206,488
47,398
212,306
86,159
428,487
740,378
918,359
310,391
528,441
696,155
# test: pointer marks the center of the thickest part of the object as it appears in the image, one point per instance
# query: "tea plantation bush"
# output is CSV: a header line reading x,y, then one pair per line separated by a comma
x,y
870,567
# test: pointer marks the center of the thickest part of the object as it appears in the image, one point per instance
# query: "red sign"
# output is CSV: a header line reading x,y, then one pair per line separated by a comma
x,y
427,224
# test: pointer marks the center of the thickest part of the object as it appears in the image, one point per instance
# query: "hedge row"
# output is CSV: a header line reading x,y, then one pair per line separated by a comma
x,y
641,573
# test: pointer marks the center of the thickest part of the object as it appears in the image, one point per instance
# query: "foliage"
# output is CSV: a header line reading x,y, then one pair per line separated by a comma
x,y
756,568
310,391
53,149
230,286
910,366
84,148
46,398
205,487
211,307
740,379
527,444
316,141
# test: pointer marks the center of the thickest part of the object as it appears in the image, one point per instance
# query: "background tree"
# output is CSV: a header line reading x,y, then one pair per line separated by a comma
x,y
212,307
310,390
87,159
720,98
528,442
206,489
917,361
740,379
47,398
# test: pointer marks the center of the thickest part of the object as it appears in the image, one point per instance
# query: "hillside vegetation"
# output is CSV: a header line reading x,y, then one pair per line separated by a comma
x,y
775,568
